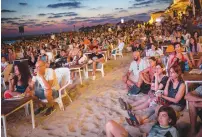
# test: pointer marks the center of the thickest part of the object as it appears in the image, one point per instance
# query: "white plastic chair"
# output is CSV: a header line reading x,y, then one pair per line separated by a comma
x,y
63,77
101,70
50,56
117,52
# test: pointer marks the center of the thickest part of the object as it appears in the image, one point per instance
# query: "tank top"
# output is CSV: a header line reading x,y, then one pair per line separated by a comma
x,y
172,93
20,89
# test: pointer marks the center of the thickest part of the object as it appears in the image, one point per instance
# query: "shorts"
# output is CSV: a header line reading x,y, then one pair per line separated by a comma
x,y
40,93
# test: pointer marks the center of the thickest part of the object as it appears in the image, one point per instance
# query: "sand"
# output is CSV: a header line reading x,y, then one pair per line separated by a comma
x,y
94,103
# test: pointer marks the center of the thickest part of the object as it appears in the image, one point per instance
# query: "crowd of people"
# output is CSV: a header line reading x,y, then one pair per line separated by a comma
x,y
155,83
154,74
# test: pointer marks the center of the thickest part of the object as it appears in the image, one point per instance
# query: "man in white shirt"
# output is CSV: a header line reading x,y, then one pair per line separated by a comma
x,y
136,66
46,86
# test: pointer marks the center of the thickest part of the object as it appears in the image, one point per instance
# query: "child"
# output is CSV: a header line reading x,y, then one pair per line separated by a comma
x,y
163,128
165,125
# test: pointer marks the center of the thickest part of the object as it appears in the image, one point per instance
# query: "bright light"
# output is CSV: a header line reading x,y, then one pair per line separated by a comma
x,y
158,20
122,20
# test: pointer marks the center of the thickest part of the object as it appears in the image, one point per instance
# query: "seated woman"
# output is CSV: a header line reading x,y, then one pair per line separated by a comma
x,y
172,59
193,48
18,83
165,126
154,51
158,83
181,58
174,91
146,76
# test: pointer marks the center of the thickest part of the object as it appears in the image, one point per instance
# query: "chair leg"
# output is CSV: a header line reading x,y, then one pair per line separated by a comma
x,y
69,98
102,71
26,110
4,126
60,103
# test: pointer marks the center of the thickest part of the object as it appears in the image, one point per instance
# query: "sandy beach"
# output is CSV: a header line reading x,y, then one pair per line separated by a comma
x,y
94,103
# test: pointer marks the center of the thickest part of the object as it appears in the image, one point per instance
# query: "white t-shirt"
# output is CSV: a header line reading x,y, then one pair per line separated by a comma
x,y
152,53
121,46
49,75
135,68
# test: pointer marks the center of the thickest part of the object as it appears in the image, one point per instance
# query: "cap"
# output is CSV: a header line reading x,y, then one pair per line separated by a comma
x,y
170,48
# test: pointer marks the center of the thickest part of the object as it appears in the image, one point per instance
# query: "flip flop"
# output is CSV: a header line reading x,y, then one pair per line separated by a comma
x,y
123,104
130,122
133,117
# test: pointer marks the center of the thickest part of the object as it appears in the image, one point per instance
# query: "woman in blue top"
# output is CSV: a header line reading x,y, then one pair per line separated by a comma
x,y
18,82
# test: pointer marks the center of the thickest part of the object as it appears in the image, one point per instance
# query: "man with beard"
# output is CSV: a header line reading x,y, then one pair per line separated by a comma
x,y
136,66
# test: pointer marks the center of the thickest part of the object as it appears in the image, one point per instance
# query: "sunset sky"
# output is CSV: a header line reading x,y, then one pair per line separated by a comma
x,y
46,16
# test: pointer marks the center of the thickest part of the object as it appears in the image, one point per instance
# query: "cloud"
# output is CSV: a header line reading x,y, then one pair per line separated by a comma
x,y
164,1
41,14
70,5
71,14
80,18
23,4
141,3
4,11
56,16
123,11
118,8
7,19
98,8
63,14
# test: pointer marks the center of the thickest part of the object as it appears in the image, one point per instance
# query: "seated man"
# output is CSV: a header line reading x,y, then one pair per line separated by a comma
x,y
46,87
74,54
136,66
61,59
97,59
195,105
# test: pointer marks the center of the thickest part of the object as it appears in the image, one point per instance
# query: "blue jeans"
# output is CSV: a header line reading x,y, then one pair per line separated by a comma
x,y
40,93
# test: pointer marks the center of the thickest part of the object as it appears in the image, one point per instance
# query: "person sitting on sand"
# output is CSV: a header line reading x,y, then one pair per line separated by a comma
x,y
195,105
165,126
173,96
136,66
158,83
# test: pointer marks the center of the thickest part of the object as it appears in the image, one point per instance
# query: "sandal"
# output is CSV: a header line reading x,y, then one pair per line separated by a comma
x,y
123,104
130,122
128,107
133,117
